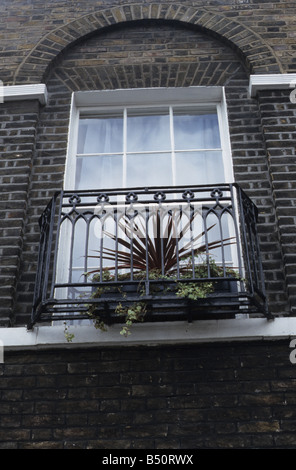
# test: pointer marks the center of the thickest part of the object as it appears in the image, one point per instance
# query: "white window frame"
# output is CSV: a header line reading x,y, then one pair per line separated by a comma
x,y
83,101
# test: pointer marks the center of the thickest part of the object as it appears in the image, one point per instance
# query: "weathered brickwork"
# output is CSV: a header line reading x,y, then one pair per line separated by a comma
x,y
278,121
52,28
238,395
143,55
253,173
17,145
170,52
199,397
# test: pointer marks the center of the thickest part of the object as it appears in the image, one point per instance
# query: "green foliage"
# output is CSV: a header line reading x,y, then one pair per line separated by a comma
x,y
133,313
69,336
194,291
136,311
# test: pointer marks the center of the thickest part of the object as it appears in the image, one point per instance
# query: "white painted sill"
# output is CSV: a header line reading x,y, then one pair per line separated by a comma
x,y
282,81
150,334
24,92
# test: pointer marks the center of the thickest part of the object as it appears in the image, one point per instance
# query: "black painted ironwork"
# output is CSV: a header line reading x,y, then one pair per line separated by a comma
x,y
145,241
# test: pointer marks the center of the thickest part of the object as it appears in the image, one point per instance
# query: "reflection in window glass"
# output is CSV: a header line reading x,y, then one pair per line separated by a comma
x,y
148,132
199,168
196,131
102,171
149,169
100,135
149,147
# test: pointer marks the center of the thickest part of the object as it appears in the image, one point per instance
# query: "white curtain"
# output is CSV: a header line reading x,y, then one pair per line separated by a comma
x,y
149,146
99,136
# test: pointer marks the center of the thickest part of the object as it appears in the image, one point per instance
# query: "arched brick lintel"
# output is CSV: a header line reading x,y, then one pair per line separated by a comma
x,y
256,54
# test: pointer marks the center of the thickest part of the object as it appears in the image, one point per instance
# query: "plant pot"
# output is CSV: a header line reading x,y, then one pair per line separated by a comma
x,y
162,303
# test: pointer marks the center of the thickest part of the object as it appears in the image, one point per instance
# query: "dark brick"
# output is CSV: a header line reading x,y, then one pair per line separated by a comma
x,y
195,397
207,416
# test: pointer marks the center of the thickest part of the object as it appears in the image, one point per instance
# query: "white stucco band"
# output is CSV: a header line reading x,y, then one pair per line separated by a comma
x,y
282,81
39,90
149,334
36,91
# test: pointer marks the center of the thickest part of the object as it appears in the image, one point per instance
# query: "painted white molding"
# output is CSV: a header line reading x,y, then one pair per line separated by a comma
x,y
25,92
256,83
148,96
150,334
271,82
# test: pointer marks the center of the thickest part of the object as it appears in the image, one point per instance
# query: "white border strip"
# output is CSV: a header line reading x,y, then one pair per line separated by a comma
x,y
271,82
150,334
25,92
148,96
256,83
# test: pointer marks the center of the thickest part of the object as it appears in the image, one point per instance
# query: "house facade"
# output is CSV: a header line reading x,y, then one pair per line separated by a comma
x,y
117,117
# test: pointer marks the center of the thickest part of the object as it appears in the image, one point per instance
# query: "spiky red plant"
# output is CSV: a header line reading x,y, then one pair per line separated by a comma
x,y
161,245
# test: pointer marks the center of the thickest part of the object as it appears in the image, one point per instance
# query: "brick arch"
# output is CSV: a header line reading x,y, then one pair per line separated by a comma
x,y
256,54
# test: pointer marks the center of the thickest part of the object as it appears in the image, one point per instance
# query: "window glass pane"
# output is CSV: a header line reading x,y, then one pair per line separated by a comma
x,y
100,135
79,240
199,168
150,132
102,171
196,130
149,170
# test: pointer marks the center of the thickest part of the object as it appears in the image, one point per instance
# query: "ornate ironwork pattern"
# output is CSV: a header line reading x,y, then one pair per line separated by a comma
x,y
169,231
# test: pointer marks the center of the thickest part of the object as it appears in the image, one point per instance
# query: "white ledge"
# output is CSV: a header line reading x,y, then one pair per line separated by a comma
x,y
148,96
39,91
150,334
24,92
271,82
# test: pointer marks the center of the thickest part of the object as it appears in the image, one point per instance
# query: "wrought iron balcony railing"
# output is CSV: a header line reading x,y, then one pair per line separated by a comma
x,y
186,252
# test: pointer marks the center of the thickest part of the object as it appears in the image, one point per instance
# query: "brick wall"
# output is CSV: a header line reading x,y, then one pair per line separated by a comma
x,y
278,124
17,145
142,55
238,395
150,52
33,33
234,395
